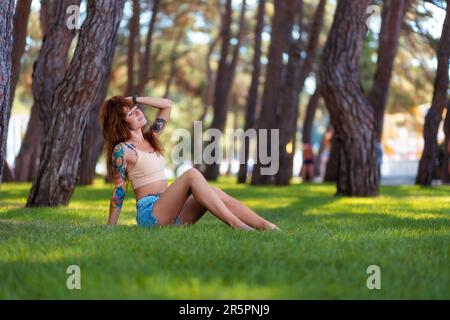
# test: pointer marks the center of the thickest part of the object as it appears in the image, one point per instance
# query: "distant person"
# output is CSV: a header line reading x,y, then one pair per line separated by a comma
x,y
325,155
448,160
135,154
307,171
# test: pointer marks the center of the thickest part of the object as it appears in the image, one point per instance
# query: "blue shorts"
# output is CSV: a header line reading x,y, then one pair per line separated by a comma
x,y
145,216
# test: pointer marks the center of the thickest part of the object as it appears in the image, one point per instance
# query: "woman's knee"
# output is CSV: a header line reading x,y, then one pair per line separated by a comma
x,y
192,173
216,190
220,192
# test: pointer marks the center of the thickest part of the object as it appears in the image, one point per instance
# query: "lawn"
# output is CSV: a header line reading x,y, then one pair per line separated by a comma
x,y
324,250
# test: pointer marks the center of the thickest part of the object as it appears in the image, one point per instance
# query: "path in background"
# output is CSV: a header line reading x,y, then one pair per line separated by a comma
x,y
398,172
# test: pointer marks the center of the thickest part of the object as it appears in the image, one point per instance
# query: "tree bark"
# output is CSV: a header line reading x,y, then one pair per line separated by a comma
x,y
20,22
309,120
208,93
434,114
146,63
26,162
350,111
93,141
48,11
332,167
174,56
309,117
73,100
6,42
207,96
272,88
325,146
287,108
48,71
225,77
252,98
133,46
307,64
8,174
20,26
392,20
446,169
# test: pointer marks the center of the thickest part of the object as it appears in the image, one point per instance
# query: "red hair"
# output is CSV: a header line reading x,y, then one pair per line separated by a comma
x,y
115,128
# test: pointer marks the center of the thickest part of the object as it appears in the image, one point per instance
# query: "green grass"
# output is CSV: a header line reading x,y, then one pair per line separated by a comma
x,y
327,244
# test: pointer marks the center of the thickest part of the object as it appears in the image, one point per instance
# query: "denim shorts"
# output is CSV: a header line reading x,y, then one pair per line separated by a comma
x,y
145,216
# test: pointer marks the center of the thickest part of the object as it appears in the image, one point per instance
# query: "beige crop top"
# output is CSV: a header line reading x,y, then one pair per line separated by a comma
x,y
149,167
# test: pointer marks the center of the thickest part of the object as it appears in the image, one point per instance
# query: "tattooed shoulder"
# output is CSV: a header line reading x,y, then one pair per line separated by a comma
x,y
159,124
118,161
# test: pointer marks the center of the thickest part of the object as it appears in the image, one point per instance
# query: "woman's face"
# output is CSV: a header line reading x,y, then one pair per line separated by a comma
x,y
135,118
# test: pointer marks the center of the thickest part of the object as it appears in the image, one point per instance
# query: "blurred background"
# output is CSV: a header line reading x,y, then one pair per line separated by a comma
x,y
180,44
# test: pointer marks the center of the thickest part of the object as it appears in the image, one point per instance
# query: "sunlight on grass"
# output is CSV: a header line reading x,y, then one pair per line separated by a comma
x,y
323,252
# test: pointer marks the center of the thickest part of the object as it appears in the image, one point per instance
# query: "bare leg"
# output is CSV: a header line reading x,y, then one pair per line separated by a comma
x,y
193,211
192,181
244,213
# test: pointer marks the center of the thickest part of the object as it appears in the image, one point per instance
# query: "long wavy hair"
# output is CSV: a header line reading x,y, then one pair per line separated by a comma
x,y
115,128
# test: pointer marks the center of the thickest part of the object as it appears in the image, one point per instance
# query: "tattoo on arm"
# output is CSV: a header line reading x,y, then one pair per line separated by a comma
x,y
159,124
118,162
117,198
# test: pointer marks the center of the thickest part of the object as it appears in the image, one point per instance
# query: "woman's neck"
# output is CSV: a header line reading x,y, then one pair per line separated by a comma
x,y
137,136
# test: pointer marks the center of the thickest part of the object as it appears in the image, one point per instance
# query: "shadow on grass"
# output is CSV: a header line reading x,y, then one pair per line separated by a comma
x,y
173,263
412,191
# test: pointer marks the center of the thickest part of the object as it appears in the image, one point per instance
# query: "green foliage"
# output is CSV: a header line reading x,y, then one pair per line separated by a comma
x,y
323,252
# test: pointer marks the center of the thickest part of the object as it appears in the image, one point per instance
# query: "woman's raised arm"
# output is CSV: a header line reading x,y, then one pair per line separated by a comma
x,y
164,105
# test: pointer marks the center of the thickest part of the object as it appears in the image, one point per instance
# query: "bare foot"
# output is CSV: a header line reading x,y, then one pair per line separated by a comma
x,y
244,227
274,227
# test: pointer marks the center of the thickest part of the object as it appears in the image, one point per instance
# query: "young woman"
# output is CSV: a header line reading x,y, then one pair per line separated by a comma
x,y
135,154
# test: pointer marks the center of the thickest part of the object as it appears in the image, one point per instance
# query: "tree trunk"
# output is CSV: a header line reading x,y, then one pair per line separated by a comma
x,y
323,149
21,15
133,44
332,167
393,15
252,98
225,77
287,109
174,56
207,96
26,161
446,169
73,100
146,63
208,93
307,65
6,42
92,148
272,87
48,11
350,111
93,141
313,42
48,71
8,174
309,119
434,115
